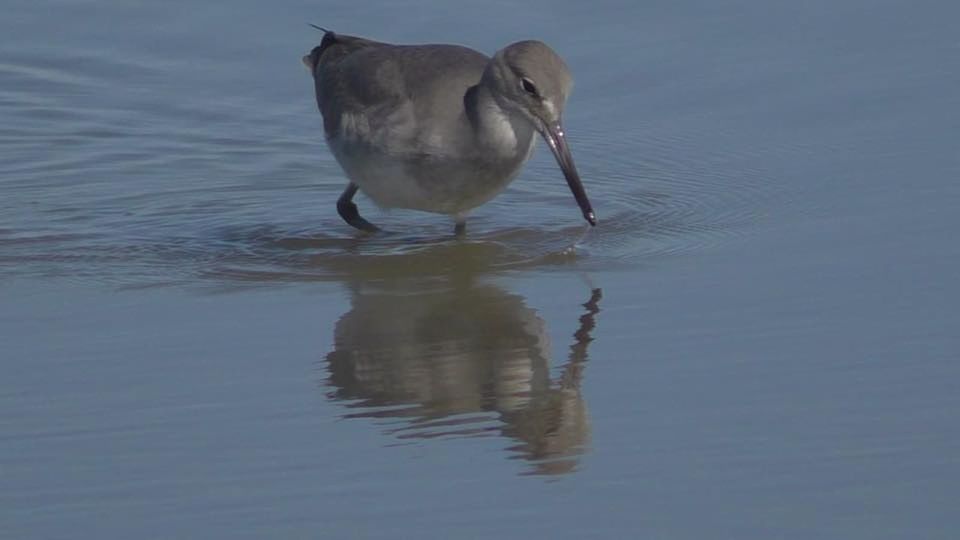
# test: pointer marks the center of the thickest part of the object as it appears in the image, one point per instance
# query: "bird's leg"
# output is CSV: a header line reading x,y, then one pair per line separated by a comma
x,y
348,210
460,225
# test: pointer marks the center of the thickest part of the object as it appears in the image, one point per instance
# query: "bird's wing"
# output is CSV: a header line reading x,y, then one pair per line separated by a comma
x,y
395,97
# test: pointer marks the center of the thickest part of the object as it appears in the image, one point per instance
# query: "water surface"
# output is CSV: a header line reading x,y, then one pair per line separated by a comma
x,y
759,339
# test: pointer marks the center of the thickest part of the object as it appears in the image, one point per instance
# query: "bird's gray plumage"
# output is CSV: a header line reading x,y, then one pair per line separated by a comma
x,y
439,128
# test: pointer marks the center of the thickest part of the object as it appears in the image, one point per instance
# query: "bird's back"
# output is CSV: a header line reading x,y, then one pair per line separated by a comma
x,y
399,97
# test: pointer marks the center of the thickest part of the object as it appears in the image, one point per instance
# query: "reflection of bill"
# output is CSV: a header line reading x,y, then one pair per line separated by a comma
x,y
463,362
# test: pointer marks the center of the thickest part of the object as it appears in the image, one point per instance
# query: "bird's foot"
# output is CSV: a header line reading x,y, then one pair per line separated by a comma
x,y
349,212
460,224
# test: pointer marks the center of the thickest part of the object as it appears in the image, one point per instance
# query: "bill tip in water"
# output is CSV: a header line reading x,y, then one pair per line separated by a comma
x,y
591,218
577,244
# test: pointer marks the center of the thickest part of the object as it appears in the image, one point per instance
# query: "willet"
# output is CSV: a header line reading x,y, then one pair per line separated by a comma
x,y
438,128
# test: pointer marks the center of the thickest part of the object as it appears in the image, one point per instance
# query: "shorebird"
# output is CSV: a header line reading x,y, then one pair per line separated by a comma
x,y
438,128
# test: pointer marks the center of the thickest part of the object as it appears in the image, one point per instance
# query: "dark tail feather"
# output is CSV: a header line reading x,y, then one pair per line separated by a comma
x,y
345,45
329,38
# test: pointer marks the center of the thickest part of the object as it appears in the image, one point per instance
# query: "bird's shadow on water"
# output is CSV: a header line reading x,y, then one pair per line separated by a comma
x,y
461,359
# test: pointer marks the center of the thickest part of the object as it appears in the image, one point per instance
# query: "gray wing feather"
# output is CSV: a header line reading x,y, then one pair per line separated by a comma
x,y
395,97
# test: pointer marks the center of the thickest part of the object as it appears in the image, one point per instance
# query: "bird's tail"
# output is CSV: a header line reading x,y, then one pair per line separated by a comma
x,y
333,47
329,38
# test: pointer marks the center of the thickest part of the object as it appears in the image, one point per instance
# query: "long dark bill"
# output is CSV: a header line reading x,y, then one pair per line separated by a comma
x,y
558,145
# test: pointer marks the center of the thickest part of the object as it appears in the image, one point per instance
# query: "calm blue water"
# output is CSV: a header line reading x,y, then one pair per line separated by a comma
x,y
760,339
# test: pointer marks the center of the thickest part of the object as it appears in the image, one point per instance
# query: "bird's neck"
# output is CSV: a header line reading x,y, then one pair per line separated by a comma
x,y
498,130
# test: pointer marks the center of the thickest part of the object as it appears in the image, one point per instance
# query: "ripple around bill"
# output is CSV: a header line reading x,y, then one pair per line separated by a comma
x,y
666,194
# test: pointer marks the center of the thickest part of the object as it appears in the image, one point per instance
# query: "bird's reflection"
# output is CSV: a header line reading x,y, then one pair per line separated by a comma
x,y
463,361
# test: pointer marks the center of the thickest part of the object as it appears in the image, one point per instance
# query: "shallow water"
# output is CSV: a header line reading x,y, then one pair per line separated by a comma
x,y
759,339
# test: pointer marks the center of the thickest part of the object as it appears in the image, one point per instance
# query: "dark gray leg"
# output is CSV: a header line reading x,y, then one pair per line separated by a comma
x,y
348,210
460,225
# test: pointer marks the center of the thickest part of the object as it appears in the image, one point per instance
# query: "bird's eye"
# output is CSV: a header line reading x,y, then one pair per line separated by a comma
x,y
528,87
